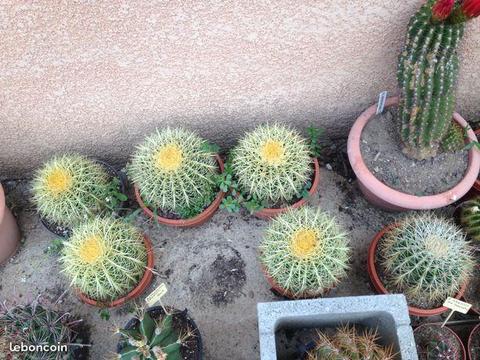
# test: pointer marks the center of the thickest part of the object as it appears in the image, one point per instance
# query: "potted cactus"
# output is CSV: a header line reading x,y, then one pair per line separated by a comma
x,y
388,170
423,256
304,253
348,342
43,333
271,171
474,343
175,175
469,215
71,188
153,334
437,342
108,262
9,232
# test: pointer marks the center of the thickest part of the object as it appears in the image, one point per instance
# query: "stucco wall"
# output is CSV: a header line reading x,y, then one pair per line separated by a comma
x,y
96,76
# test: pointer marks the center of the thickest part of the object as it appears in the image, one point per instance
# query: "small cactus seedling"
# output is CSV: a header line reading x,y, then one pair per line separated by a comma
x,y
152,339
104,258
349,343
455,139
435,342
305,251
427,74
470,218
175,171
427,258
70,188
272,163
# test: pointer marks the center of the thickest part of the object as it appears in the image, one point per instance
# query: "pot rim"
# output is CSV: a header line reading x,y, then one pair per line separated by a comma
x,y
199,219
136,291
380,288
395,197
464,352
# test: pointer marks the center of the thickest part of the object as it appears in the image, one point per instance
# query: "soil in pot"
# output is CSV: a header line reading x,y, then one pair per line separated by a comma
x,y
382,153
192,348
436,342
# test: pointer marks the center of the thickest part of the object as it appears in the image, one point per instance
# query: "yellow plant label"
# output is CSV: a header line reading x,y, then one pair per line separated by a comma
x,y
156,295
457,305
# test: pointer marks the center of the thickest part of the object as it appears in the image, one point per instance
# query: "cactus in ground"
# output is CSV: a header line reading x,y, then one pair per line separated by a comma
x,y
272,163
470,218
104,258
349,343
427,258
70,188
427,74
152,339
34,325
305,251
175,171
435,342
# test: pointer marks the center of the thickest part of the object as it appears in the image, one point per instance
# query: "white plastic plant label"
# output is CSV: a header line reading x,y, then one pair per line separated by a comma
x,y
457,305
156,295
382,98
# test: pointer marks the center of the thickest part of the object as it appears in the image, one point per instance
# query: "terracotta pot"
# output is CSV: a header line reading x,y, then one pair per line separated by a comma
x,y
186,223
269,213
452,333
475,330
9,232
136,292
278,289
388,198
380,288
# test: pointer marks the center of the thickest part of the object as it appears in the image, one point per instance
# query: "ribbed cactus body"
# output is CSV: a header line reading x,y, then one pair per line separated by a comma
x,y
470,218
427,73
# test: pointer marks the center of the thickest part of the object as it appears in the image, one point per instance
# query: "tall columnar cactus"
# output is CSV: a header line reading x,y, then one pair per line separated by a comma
x,y
104,258
349,343
305,251
427,74
470,218
427,258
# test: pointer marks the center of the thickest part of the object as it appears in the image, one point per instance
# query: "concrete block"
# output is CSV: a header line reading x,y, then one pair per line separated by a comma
x,y
387,313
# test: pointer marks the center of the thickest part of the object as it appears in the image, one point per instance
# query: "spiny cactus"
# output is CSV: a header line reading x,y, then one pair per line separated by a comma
x,y
349,343
70,188
104,258
427,258
34,325
272,163
470,218
305,251
152,339
455,139
435,342
175,171
427,74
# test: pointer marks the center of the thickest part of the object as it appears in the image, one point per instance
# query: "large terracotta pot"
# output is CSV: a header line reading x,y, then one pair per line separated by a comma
x,y
380,287
9,232
388,198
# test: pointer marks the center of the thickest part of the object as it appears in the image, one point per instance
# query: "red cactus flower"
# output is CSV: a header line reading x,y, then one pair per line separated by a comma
x,y
442,9
471,8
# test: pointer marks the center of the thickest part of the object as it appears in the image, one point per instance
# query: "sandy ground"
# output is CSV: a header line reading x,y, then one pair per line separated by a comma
x,y
212,270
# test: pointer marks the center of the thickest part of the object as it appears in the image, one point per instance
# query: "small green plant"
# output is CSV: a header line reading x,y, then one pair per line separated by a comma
x,y
55,247
272,164
152,339
455,139
470,218
349,343
36,326
314,136
427,258
435,342
70,188
175,171
305,251
104,258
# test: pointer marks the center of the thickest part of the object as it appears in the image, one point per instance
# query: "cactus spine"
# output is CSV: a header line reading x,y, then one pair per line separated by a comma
x,y
427,73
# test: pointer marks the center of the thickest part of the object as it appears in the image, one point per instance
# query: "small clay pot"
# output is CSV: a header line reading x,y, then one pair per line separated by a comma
x,y
383,196
187,323
474,333
184,223
269,213
136,292
9,232
452,334
380,288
